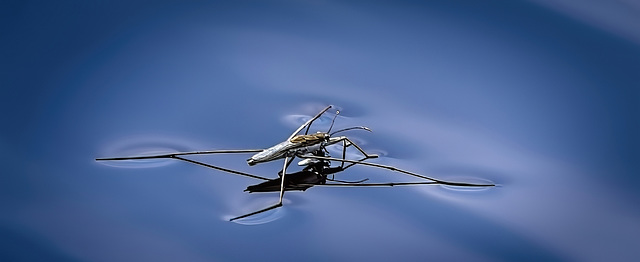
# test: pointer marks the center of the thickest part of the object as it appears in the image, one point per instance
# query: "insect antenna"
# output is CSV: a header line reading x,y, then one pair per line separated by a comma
x,y
351,128
308,123
333,121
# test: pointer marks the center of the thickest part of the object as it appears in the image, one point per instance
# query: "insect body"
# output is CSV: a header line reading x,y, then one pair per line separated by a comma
x,y
311,149
301,144
298,145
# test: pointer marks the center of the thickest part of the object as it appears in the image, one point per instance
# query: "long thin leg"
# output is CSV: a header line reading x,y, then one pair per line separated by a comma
x,y
377,184
176,156
392,168
344,152
257,212
359,148
279,204
170,155
353,164
345,139
287,164
346,142
221,168
284,172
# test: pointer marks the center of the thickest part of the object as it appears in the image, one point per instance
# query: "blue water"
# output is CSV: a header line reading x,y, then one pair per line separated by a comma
x,y
534,100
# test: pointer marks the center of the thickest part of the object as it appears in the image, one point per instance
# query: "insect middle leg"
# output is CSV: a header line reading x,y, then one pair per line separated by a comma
x,y
279,204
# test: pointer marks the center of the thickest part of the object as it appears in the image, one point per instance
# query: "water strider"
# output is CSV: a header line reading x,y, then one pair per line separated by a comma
x,y
311,149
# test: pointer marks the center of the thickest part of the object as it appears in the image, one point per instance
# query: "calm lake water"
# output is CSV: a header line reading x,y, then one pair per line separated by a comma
x,y
541,102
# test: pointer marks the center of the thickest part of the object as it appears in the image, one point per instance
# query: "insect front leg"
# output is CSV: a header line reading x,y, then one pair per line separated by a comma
x,y
346,142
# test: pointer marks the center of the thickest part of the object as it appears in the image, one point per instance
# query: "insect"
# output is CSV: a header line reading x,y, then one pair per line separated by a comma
x,y
312,150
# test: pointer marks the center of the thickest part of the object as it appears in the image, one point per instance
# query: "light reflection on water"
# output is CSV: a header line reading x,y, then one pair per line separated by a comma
x,y
140,163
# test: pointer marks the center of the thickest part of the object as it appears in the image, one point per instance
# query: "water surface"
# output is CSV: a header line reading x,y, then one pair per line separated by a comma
x,y
534,100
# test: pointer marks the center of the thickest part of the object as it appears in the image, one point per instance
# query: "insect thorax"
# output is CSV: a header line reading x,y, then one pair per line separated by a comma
x,y
309,139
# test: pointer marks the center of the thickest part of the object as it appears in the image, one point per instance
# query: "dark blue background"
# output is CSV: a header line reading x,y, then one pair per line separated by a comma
x,y
536,100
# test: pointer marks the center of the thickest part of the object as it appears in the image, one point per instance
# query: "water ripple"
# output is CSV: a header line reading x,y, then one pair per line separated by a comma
x,y
471,180
262,218
142,147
